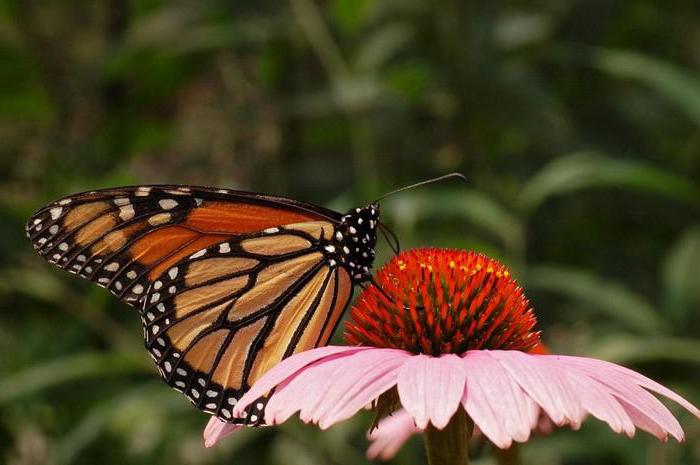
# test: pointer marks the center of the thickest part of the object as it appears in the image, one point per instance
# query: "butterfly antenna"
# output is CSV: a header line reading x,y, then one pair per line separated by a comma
x,y
423,183
394,241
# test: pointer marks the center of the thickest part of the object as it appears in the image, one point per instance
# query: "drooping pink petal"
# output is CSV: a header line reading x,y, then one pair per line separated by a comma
x,y
597,400
289,367
391,433
503,391
216,430
624,387
495,402
308,387
644,422
545,384
335,388
431,388
603,367
373,376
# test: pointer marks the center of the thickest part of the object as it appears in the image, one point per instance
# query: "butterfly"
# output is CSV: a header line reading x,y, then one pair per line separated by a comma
x,y
227,283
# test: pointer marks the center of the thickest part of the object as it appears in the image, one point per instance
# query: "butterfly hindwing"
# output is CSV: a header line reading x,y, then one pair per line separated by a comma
x,y
217,320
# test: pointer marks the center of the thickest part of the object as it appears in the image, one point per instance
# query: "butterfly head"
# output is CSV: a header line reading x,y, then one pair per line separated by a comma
x,y
355,240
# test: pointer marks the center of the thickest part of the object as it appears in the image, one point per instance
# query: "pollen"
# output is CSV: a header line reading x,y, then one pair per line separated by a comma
x,y
436,301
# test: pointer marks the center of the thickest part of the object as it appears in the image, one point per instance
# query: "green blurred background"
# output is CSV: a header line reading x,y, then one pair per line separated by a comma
x,y
577,123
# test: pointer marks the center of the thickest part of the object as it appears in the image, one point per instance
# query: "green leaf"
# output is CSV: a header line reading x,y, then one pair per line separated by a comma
x,y
586,170
123,413
628,349
680,277
602,294
679,87
80,366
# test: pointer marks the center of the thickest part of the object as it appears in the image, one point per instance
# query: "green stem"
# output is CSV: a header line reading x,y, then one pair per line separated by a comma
x,y
509,456
448,446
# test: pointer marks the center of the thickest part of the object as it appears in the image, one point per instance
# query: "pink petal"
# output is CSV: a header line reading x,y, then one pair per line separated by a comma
x,y
644,422
335,388
375,373
287,368
430,388
599,402
302,391
391,433
624,387
544,383
606,367
496,403
216,430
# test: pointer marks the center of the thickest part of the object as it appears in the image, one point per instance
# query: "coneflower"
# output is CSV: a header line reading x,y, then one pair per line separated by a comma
x,y
448,336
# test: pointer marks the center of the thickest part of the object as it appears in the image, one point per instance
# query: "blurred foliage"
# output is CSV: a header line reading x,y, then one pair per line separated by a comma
x,y
577,123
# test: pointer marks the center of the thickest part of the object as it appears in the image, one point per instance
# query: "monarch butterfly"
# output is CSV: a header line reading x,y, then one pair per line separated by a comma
x,y
227,282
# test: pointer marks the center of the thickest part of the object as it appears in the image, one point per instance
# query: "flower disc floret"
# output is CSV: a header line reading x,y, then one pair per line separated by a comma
x,y
436,301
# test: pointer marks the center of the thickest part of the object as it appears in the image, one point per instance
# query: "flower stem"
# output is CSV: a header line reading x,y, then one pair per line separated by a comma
x,y
507,456
448,446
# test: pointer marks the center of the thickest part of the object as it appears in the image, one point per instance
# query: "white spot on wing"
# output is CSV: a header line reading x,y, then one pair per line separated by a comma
x,y
198,254
167,204
159,218
114,266
126,212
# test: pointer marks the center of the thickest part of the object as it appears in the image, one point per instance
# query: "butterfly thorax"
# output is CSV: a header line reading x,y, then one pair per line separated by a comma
x,y
355,240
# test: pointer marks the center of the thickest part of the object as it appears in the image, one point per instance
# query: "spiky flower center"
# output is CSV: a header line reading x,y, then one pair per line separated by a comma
x,y
437,301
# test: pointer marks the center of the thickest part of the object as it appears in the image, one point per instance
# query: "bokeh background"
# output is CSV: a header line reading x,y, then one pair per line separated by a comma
x,y
577,123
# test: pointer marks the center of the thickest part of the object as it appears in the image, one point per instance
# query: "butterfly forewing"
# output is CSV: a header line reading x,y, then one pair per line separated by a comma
x,y
122,238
